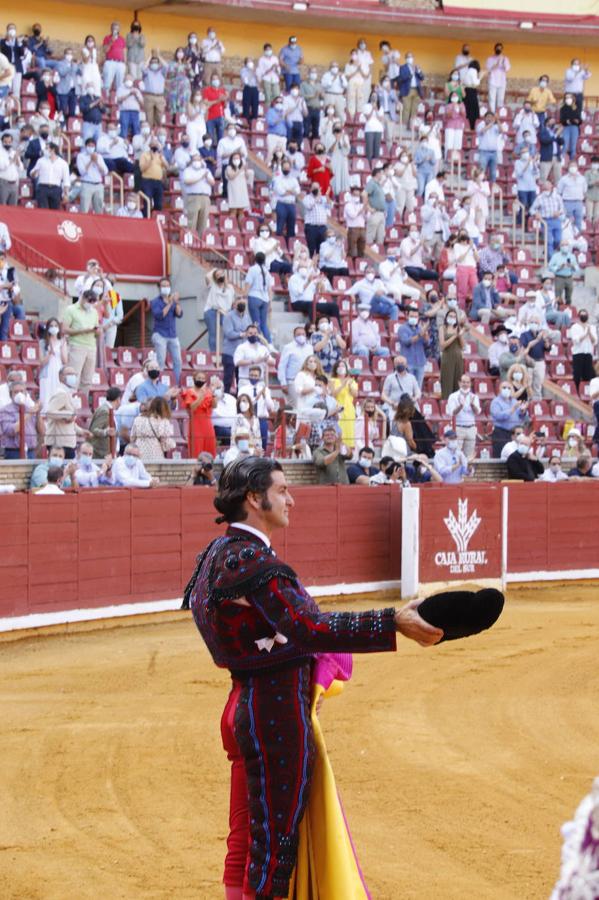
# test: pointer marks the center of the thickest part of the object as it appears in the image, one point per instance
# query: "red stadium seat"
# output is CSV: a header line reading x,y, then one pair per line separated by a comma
x,y
9,352
18,330
30,353
128,357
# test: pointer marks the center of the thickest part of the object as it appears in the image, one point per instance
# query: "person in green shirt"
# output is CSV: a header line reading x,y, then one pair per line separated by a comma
x,y
330,459
80,324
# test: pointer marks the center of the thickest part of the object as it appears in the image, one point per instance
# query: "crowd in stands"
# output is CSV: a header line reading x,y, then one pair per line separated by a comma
x,y
351,195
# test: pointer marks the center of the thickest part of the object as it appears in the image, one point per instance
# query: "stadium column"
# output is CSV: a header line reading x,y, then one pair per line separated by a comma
x,y
410,541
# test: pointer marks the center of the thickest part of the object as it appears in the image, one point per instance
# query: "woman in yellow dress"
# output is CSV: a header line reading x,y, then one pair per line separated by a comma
x,y
345,391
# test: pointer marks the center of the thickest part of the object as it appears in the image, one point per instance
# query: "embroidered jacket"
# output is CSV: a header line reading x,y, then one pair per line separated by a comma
x,y
254,614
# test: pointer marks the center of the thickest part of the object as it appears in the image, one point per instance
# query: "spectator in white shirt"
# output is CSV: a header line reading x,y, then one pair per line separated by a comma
x,y
331,258
256,389
354,216
11,169
365,334
296,111
131,209
52,180
92,170
129,471
129,100
334,85
212,54
411,257
584,343
396,281
268,72
198,190
254,350
554,471
465,406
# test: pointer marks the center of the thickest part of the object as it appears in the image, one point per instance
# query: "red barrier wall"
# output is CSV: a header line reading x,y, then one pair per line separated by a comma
x,y
553,527
105,547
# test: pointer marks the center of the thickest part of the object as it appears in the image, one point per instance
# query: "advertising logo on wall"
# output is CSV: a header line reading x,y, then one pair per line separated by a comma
x,y
461,561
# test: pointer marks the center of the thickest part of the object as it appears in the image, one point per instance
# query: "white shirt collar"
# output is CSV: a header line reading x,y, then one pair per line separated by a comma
x,y
254,531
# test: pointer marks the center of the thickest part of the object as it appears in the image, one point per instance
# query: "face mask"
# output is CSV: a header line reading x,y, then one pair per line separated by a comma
x,y
413,321
514,348
231,132
254,381
265,234
130,460
71,381
498,51
335,70
455,99
69,57
129,84
525,156
576,68
341,372
193,39
453,445
250,64
534,328
278,106
55,461
295,93
572,170
332,239
503,338
240,307
90,44
370,276
523,449
452,321
86,461
44,135
199,382
153,374
313,76
414,235
454,77
583,317
572,441
487,283
154,66
243,407
409,60
253,338
543,84
12,33
365,463
452,304
554,467
400,367
243,444
505,392
324,327
363,314
165,291
286,170
212,35
569,101
517,376
208,142
53,329
216,82
268,52
300,339
19,398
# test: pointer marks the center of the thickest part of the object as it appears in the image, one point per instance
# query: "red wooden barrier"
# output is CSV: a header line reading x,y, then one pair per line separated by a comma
x,y
107,547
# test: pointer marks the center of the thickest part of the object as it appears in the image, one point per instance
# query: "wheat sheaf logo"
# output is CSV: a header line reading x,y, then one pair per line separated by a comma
x,y
461,528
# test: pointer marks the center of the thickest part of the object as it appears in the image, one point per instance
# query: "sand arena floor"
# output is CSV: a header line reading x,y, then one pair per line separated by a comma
x,y
457,765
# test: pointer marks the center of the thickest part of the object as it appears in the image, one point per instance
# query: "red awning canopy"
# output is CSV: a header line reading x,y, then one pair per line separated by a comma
x,y
132,248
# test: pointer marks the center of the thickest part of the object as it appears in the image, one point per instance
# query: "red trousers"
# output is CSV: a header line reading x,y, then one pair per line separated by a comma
x,y
238,841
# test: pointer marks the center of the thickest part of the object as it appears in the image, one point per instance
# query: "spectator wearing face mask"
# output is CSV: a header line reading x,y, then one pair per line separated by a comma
x,y
512,444
285,190
151,386
80,323
250,94
238,198
411,252
259,284
334,84
291,57
199,184
136,42
68,72
256,390
154,77
540,97
39,476
62,429
11,170
296,112
268,72
454,119
554,472
486,305
231,143
410,81
100,427
51,176
464,405
178,85
313,96
11,301
219,301
114,151
328,344
212,52
354,216
131,209
265,242
54,354
276,126
10,425
291,360
451,341
488,133
166,309
372,293
87,473
584,345
450,462
414,340
564,265
240,447
574,80
365,335
498,66
235,326
522,463
331,258
153,167
251,352
549,206
498,346
526,172
362,471
246,422
129,100
573,188
536,343
317,209
92,170
129,471
506,414
115,48
569,117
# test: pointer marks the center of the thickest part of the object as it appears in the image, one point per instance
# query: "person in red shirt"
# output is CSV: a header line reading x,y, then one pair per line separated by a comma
x,y
114,58
216,97
319,170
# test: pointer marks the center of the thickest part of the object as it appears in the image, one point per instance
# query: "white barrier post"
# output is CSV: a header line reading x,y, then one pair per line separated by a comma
x,y
410,542
505,497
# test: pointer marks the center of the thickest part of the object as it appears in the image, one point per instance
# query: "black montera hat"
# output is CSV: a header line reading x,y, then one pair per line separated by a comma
x,y
462,613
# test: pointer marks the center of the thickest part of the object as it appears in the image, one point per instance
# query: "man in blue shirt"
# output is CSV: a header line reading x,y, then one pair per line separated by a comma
x,y
151,386
165,309
536,342
506,413
449,461
414,339
235,325
293,356
290,58
488,133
